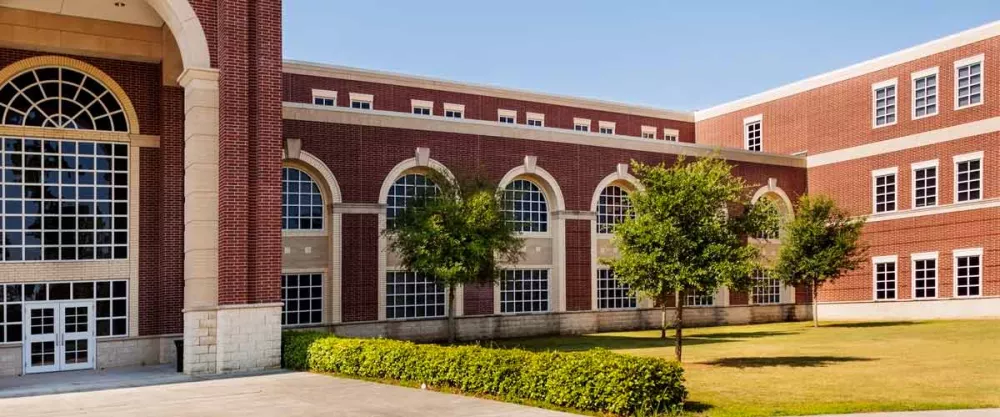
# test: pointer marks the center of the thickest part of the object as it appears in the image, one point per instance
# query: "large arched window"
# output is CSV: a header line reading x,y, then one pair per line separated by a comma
x,y
62,98
525,206
301,201
613,206
405,189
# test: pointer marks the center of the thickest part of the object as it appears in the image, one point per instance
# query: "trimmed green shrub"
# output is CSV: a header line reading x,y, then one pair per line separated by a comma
x,y
595,380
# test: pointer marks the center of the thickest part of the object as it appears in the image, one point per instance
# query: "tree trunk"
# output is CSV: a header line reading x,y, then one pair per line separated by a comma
x,y
679,325
451,313
663,318
815,291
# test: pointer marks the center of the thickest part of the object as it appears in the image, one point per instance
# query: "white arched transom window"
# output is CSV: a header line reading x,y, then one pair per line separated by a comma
x,y
301,201
525,206
62,98
404,190
613,206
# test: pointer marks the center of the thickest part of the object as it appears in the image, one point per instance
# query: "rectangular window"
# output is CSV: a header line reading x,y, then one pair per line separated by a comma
x,y
422,107
581,125
362,101
535,119
456,111
648,132
968,272
302,295
925,281
884,192
606,128
111,304
885,277
884,103
411,295
925,93
671,135
925,184
968,82
611,293
524,291
324,97
697,299
968,177
766,290
752,133
507,116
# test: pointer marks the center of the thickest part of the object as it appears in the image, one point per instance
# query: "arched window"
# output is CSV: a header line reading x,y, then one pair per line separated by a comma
x,y
405,189
301,201
525,206
61,98
613,206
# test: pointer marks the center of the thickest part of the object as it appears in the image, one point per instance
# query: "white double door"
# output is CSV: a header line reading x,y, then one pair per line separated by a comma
x,y
59,336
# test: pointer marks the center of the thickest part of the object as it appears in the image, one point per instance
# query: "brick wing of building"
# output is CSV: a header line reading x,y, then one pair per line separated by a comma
x,y
168,177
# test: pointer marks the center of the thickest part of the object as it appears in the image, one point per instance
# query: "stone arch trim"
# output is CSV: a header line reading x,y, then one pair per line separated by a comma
x,y
316,166
612,179
786,202
543,178
183,22
409,165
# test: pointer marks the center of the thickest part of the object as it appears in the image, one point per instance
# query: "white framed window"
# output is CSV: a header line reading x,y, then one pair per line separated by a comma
x,y
613,206
611,293
925,183
111,304
61,98
324,97
524,291
925,93
302,299
925,275
968,272
648,132
884,103
581,125
535,119
969,82
884,190
968,177
456,111
884,269
301,201
362,101
405,189
507,116
525,206
766,289
699,299
753,138
606,128
422,107
671,135
411,295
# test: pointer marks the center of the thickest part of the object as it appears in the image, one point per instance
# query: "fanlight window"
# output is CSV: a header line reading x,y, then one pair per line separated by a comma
x,y
613,207
405,189
60,98
525,206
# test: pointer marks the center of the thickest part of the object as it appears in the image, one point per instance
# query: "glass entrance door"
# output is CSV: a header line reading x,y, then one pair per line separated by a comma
x,y
59,336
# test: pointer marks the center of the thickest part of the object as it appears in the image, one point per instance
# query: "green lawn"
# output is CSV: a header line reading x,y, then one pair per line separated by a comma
x,y
793,369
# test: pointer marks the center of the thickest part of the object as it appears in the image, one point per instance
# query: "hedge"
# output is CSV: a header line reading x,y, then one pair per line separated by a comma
x,y
595,380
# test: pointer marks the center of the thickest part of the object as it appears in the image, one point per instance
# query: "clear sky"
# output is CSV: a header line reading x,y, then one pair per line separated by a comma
x,y
682,55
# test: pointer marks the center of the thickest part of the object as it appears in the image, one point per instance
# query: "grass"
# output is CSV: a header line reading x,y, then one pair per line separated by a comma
x,y
794,369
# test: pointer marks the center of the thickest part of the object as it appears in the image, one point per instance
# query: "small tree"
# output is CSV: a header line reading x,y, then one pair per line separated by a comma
x,y
820,244
688,234
455,236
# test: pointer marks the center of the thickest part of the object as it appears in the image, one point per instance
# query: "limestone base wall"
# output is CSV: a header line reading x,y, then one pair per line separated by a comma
x,y
948,308
111,353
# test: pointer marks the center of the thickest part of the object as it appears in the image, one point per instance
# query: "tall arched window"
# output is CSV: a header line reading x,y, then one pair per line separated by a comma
x,y
405,189
61,98
301,201
525,206
613,206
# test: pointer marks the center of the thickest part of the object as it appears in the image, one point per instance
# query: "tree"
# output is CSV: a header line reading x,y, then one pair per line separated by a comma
x,y
820,244
455,236
688,233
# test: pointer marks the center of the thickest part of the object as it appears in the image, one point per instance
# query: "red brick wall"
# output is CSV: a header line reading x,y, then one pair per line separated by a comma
x,y
150,250
578,273
171,208
359,285
298,88
208,15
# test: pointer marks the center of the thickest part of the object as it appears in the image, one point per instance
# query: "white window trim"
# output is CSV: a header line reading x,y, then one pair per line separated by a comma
x,y
606,125
982,79
957,253
535,116
507,113
361,97
882,172
965,157
324,94
649,130
677,134
881,260
423,104
747,121
913,92
579,121
923,256
875,87
455,108
913,182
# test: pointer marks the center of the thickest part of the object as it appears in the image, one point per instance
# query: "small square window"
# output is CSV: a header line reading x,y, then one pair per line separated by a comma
x,y
884,192
421,107
925,93
671,135
884,103
362,101
606,128
455,111
535,119
969,82
507,116
324,97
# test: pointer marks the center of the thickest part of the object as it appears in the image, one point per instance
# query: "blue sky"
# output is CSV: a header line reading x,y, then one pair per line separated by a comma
x,y
682,55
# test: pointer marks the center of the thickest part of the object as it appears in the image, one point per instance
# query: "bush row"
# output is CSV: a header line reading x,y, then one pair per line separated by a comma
x,y
596,380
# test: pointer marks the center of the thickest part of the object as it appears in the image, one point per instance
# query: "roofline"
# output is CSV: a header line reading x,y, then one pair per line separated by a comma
x,y
966,37
385,77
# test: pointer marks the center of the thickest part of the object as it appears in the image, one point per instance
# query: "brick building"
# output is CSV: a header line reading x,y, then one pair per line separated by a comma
x,y
166,176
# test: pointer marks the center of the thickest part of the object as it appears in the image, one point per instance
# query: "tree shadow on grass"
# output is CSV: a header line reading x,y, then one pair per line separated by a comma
x,y
587,342
697,407
870,324
739,335
789,361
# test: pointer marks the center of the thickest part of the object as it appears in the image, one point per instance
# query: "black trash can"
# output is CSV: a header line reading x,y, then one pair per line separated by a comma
x,y
179,345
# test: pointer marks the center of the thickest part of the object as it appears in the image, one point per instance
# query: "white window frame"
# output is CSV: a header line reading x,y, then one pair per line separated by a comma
x,y
755,119
913,92
893,259
324,94
674,135
924,256
502,113
422,104
916,166
982,79
894,83
606,128
960,253
581,122
454,108
881,173
648,132
971,156
619,299
529,117
322,297
525,270
363,98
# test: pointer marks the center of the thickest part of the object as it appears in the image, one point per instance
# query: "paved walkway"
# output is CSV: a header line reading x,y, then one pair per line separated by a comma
x,y
284,394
